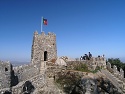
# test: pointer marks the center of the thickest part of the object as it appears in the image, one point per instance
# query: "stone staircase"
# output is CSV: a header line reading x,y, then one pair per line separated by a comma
x,y
115,81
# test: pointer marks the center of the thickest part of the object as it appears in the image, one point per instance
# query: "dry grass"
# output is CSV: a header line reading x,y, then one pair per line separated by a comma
x,y
53,60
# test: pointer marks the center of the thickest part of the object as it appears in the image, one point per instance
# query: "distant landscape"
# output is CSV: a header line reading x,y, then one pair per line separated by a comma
x,y
18,63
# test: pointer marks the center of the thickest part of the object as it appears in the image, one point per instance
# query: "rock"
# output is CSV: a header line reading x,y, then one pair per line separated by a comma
x,y
60,62
85,84
28,87
7,92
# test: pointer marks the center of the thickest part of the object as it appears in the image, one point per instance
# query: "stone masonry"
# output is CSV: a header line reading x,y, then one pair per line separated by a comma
x,y
5,75
43,47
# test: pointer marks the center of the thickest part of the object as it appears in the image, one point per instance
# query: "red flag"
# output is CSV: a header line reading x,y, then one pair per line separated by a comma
x,y
44,21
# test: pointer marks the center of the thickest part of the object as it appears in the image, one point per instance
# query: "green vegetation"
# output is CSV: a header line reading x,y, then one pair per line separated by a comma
x,y
117,62
96,70
82,67
67,80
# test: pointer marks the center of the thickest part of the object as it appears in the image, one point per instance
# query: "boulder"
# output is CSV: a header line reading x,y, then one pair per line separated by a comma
x,y
60,62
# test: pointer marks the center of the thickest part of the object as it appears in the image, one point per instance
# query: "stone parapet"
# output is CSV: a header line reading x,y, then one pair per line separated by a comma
x,y
25,72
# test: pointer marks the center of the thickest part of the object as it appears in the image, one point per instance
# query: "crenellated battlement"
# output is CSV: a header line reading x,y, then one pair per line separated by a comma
x,y
43,34
115,72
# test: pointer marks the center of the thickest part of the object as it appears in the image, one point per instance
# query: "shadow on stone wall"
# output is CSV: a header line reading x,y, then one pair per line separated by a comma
x,y
7,92
124,71
14,79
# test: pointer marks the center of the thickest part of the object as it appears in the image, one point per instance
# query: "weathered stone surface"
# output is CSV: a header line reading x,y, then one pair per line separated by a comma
x,y
43,47
74,82
92,64
5,74
25,72
60,62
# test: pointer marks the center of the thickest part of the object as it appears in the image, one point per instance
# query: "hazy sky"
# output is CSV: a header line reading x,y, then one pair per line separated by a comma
x,y
81,26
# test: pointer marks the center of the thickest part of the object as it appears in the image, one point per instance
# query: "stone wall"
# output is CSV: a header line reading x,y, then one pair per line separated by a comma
x,y
92,63
37,81
52,69
43,47
115,72
71,65
117,75
99,61
5,74
25,72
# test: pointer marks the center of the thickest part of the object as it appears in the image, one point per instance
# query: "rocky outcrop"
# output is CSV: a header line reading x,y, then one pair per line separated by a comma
x,y
74,82
94,86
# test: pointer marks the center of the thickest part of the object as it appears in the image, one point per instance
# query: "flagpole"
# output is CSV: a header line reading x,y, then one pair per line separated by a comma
x,y
41,24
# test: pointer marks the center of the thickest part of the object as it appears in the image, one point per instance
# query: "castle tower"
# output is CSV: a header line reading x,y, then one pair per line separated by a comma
x,y
43,47
5,74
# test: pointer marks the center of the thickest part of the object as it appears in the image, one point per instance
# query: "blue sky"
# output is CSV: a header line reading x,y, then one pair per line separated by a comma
x,y
81,26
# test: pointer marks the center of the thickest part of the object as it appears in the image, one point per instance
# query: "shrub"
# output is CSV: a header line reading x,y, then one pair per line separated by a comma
x,y
96,70
82,67
53,60
67,80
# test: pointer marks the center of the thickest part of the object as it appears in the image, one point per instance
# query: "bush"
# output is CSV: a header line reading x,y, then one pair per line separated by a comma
x,y
96,70
67,80
117,62
82,67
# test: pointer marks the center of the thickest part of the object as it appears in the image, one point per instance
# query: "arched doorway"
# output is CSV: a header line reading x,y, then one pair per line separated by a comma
x,y
45,55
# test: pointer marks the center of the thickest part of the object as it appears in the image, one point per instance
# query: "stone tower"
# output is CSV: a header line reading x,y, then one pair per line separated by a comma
x,y
43,47
5,75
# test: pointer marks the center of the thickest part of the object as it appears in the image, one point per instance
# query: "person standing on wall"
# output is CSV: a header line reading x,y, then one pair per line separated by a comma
x,y
90,55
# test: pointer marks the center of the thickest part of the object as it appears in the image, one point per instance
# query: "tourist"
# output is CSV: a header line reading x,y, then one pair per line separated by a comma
x,y
90,55
103,55
84,57
99,56
87,57
81,58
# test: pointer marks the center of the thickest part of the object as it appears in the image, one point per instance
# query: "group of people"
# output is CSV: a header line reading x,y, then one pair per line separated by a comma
x,y
86,57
